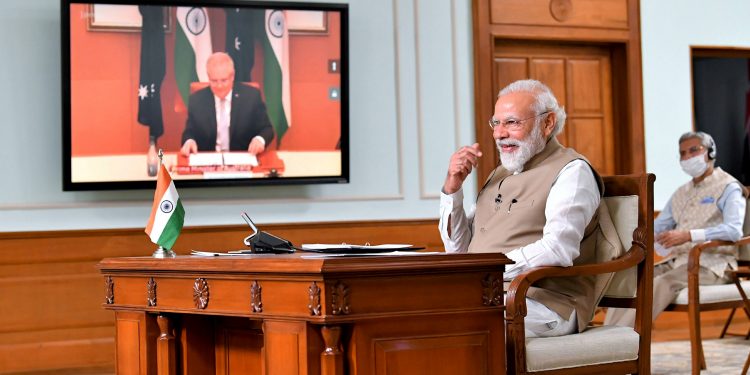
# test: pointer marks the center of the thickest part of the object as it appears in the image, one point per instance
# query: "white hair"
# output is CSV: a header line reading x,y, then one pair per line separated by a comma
x,y
545,100
707,141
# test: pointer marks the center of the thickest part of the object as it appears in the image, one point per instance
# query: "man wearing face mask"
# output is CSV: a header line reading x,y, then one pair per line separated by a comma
x,y
709,207
539,207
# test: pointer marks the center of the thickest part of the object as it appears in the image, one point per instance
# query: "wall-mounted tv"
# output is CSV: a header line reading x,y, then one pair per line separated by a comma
x,y
232,92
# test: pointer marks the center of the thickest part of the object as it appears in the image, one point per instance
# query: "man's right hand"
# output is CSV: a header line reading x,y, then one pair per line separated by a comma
x,y
190,147
461,164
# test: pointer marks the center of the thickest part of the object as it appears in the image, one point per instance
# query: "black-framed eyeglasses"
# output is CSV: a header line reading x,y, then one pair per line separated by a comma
x,y
512,124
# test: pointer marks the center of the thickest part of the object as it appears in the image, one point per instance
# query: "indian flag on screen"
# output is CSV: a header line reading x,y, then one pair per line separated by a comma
x,y
192,47
276,72
167,214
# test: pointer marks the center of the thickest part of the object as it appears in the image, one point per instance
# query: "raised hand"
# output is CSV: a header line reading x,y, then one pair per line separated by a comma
x,y
461,164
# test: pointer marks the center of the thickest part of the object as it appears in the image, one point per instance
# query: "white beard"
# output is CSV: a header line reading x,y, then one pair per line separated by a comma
x,y
527,148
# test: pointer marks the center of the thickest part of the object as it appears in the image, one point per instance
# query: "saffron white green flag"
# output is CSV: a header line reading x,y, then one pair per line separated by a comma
x,y
276,72
192,47
167,214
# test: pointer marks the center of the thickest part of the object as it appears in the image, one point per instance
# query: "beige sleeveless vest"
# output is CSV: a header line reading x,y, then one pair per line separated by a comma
x,y
510,214
695,207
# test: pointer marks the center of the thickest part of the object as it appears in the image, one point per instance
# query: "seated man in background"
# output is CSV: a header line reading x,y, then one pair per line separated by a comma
x,y
226,116
539,207
709,207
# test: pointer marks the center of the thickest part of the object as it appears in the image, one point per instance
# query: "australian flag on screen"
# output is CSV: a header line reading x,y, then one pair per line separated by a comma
x,y
241,41
153,61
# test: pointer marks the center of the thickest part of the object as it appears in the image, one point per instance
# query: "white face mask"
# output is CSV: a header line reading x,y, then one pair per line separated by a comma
x,y
694,166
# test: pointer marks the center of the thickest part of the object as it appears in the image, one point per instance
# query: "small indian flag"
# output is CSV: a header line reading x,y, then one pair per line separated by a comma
x,y
167,214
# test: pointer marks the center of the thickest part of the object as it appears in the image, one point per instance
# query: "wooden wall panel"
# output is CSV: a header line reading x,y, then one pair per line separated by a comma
x,y
507,70
427,355
129,355
286,340
611,14
238,347
587,138
551,71
590,111
585,82
52,291
41,303
410,345
196,338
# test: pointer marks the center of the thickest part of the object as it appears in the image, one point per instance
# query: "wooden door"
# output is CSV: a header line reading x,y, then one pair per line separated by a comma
x,y
580,76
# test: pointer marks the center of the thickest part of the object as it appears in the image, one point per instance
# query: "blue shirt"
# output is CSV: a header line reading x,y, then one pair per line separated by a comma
x,y
731,203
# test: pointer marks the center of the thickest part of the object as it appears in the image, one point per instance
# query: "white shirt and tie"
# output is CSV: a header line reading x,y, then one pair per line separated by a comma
x,y
223,111
223,119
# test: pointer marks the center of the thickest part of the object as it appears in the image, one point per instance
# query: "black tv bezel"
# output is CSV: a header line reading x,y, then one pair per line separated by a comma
x,y
69,185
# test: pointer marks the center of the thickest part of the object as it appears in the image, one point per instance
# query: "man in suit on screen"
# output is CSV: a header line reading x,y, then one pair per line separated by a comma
x,y
226,116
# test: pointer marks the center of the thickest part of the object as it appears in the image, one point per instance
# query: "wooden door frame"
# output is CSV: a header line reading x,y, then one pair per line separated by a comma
x,y
627,90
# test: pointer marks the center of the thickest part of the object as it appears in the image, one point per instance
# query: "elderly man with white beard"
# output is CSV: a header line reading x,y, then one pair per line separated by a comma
x,y
539,207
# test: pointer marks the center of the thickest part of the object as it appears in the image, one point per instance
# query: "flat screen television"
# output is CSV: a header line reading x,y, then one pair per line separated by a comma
x,y
142,76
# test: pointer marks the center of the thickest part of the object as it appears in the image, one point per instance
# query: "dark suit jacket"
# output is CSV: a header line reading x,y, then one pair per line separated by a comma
x,y
247,119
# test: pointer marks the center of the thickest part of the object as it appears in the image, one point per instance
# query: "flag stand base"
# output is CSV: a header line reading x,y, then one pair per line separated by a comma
x,y
163,253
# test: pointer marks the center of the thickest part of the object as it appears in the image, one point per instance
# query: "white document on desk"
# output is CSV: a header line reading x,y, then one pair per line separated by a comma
x,y
212,253
381,254
323,246
203,159
240,158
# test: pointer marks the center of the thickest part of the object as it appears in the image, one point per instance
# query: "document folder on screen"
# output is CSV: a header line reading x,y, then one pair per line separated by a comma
x,y
204,159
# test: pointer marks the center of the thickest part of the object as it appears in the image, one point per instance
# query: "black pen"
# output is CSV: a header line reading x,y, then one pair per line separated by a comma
x,y
514,200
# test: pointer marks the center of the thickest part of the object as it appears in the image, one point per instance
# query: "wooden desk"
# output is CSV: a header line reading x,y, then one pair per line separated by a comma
x,y
285,314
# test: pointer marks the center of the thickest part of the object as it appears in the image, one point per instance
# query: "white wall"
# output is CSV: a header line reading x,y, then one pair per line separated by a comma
x,y
668,29
411,107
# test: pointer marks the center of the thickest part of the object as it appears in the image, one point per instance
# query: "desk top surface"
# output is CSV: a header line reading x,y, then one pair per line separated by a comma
x,y
305,263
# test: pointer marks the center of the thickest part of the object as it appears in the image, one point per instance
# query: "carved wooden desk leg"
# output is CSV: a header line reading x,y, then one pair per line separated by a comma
x,y
332,358
165,347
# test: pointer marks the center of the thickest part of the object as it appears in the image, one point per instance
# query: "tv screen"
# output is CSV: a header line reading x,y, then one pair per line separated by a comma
x,y
227,92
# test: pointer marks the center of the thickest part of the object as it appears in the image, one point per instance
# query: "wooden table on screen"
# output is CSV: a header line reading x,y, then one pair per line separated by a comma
x,y
289,314
132,167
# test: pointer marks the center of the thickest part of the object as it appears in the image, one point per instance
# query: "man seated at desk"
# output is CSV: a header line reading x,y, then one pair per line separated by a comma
x,y
226,116
539,207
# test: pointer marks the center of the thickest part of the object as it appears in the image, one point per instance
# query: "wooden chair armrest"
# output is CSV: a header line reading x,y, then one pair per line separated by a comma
x,y
515,299
694,257
694,265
